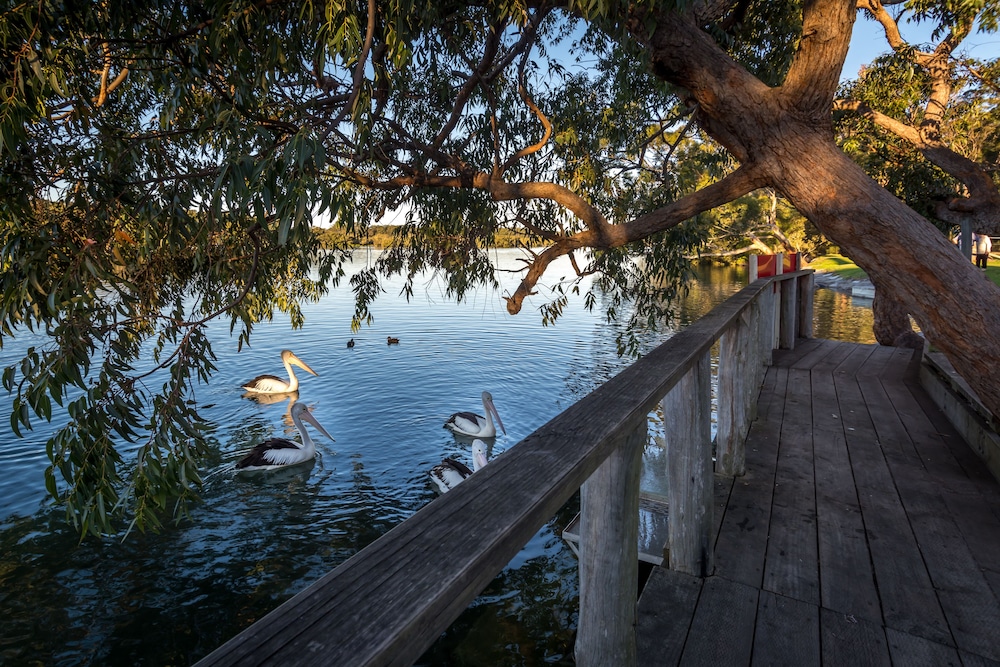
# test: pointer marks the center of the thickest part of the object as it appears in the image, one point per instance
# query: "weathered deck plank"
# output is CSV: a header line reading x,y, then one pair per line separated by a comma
x,y
791,566
663,626
742,541
848,640
911,650
787,632
846,579
723,626
851,466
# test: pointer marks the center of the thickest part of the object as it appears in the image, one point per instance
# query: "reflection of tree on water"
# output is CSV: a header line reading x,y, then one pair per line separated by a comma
x,y
102,601
839,316
712,284
366,511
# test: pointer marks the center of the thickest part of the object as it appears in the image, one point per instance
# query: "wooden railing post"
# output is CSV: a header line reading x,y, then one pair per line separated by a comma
x,y
789,314
806,305
609,557
758,362
738,387
766,328
687,410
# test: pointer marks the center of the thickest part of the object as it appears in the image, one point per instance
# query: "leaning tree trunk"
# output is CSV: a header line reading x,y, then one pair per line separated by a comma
x,y
953,303
892,321
784,135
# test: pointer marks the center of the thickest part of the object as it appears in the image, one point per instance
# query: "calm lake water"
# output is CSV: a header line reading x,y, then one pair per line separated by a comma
x,y
171,598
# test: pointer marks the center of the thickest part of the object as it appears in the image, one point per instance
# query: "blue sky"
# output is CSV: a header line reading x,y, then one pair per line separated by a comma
x,y
868,42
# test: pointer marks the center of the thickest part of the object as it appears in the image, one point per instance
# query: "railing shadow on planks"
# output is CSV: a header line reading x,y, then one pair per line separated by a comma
x,y
388,603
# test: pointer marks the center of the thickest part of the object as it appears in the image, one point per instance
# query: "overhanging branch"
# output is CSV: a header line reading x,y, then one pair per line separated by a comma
x,y
739,183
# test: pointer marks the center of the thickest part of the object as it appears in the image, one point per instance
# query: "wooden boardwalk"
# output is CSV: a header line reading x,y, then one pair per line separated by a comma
x,y
865,531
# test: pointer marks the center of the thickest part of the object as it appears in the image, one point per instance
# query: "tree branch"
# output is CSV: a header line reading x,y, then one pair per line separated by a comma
x,y
982,190
814,75
359,68
546,125
740,182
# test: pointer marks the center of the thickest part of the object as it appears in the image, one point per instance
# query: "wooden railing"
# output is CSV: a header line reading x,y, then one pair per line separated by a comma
x,y
387,604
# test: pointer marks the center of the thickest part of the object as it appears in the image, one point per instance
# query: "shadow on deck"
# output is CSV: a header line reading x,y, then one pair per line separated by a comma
x,y
864,532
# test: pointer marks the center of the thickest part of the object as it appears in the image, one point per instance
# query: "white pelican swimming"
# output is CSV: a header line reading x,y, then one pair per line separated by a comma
x,y
272,384
477,426
449,473
280,452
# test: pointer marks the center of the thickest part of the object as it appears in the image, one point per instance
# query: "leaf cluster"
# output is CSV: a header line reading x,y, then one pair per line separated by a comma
x,y
163,165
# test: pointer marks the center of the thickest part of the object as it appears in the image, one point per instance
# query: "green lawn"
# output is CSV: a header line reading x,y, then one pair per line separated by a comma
x,y
845,268
839,266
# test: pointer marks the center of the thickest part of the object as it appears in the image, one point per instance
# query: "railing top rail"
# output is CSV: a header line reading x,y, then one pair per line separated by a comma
x,y
388,603
791,274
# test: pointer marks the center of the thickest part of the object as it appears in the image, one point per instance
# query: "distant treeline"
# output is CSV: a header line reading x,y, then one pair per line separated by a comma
x,y
382,236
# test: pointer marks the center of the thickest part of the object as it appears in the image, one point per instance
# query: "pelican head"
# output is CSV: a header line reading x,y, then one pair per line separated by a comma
x,y
301,411
488,405
289,357
479,449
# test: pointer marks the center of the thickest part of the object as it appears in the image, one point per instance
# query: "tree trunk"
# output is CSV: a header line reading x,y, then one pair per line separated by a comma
x,y
892,322
953,303
785,135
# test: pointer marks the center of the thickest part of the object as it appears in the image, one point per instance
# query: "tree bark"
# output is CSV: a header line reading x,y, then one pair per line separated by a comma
x,y
785,135
892,322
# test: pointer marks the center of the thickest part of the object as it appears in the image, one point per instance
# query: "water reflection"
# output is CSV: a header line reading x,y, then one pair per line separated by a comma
x,y
839,316
256,540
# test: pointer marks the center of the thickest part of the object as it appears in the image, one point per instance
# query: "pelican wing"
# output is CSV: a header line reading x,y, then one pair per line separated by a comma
x,y
468,422
266,383
273,452
449,473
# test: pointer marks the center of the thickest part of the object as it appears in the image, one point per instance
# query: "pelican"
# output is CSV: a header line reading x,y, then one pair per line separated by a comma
x,y
272,384
279,452
477,426
449,473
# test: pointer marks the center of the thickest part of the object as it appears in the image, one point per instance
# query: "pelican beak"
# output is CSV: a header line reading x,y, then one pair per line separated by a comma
x,y
301,364
319,427
496,414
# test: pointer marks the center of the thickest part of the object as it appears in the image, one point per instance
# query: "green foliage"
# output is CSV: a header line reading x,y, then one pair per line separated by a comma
x,y
131,216
897,86
165,164
763,37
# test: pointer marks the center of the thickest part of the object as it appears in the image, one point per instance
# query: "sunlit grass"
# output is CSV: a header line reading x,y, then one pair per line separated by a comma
x,y
845,268
839,266
993,271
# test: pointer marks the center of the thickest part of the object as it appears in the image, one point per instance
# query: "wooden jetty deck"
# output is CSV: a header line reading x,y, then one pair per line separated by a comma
x,y
864,532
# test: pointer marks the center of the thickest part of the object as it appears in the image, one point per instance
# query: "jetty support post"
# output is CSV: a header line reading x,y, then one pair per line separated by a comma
x,y
609,557
789,314
806,287
691,483
766,329
740,373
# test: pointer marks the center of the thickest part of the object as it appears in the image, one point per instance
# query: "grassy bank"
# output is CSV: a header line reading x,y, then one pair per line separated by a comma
x,y
845,268
839,266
